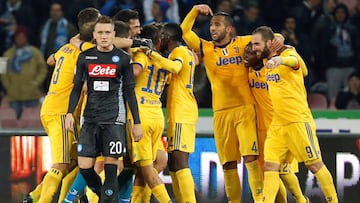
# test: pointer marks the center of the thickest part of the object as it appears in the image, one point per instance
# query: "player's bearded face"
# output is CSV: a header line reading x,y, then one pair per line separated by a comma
x,y
217,29
265,53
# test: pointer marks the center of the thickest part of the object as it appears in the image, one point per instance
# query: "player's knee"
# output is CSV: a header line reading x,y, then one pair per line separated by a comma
x,y
161,161
230,165
315,167
63,167
250,158
270,166
179,160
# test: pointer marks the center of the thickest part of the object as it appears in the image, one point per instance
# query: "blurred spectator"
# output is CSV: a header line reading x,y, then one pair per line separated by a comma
x,y
23,15
72,8
56,32
111,7
26,73
326,19
349,98
273,12
7,27
306,14
355,19
250,19
340,50
171,13
158,11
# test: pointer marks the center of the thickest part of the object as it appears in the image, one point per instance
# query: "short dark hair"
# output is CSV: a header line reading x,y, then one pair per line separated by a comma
x,y
126,15
174,31
122,29
87,15
86,31
152,32
227,18
266,32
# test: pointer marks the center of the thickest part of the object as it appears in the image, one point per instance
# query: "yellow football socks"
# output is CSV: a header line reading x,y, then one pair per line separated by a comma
x,y
66,183
292,184
146,194
232,185
255,179
327,185
271,186
281,196
186,185
35,194
175,187
161,194
136,196
51,183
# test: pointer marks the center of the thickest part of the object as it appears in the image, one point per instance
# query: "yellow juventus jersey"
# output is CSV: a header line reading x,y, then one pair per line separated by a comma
x,y
149,85
181,104
57,98
227,73
260,90
287,93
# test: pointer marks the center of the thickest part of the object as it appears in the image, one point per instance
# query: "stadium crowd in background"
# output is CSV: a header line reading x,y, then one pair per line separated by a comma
x,y
323,31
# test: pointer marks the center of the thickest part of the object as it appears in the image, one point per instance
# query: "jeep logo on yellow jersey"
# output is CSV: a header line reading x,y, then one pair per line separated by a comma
x,y
229,60
259,85
273,77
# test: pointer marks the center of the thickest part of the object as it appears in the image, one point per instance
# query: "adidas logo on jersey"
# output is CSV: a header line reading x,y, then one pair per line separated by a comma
x,y
229,60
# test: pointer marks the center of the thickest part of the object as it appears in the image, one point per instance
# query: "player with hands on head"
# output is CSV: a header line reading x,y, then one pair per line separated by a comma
x,y
235,130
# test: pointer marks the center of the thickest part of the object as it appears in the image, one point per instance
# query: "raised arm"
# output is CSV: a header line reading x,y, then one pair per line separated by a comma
x,y
167,64
189,36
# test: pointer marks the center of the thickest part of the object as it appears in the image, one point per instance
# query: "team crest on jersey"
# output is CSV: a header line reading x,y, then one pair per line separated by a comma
x,y
225,52
102,70
115,59
237,50
257,73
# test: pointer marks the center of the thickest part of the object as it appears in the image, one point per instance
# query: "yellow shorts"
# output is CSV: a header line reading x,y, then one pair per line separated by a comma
x,y
145,150
62,142
181,137
298,139
235,133
289,166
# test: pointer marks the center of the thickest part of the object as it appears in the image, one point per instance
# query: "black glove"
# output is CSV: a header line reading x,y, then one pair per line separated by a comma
x,y
142,42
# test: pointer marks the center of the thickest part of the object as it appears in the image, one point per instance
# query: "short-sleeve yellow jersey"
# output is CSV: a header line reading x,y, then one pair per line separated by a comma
x,y
57,98
227,73
260,90
181,104
288,93
149,85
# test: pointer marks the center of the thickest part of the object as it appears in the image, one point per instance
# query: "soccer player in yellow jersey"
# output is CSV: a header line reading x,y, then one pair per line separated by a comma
x,y
53,113
233,104
292,130
259,88
182,111
149,87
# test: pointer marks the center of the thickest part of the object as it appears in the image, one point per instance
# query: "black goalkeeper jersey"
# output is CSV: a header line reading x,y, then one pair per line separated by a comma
x,y
110,78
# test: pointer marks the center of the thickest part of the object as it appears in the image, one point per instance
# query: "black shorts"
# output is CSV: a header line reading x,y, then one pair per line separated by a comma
x,y
102,139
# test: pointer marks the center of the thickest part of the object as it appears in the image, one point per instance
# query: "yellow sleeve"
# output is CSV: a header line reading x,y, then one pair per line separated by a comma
x,y
86,45
140,57
191,39
167,64
290,61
